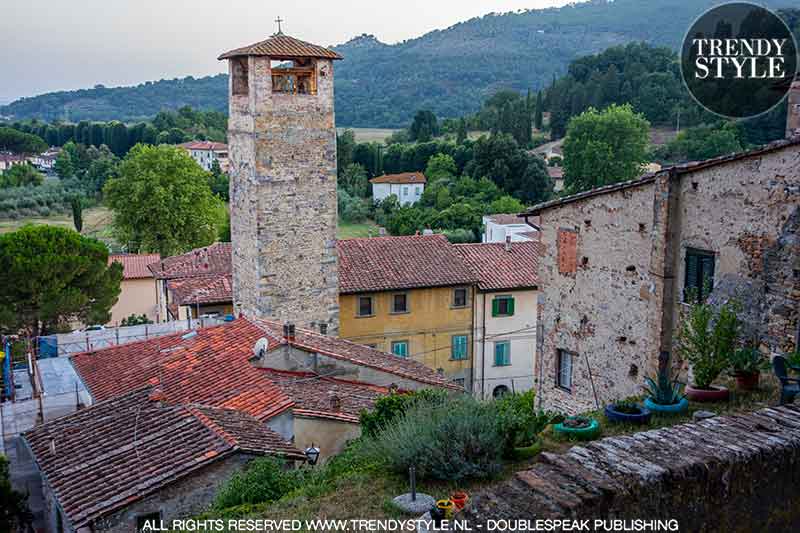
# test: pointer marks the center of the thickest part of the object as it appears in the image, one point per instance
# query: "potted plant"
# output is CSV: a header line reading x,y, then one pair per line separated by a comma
x,y
627,412
665,393
579,427
459,499
707,342
746,366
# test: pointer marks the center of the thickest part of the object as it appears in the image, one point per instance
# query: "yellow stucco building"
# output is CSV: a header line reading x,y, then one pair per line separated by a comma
x,y
411,296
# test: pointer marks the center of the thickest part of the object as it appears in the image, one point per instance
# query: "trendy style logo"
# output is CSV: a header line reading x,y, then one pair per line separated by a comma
x,y
738,60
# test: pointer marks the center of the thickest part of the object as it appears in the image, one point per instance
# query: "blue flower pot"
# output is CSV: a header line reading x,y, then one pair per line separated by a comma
x,y
642,417
673,409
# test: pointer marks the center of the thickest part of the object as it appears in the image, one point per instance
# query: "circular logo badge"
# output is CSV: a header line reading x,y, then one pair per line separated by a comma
x,y
738,60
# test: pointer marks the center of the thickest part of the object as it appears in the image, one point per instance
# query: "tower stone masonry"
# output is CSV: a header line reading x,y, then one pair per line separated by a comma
x,y
282,149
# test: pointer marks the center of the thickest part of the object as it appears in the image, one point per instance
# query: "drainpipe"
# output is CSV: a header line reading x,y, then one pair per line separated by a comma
x,y
483,344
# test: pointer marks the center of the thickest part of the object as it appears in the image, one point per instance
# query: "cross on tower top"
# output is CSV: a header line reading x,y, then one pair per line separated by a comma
x,y
279,20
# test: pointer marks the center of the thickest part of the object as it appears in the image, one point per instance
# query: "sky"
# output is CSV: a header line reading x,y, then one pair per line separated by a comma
x,y
49,45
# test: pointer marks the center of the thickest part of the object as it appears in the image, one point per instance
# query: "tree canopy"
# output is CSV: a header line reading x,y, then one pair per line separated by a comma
x,y
19,142
51,277
162,201
21,175
604,147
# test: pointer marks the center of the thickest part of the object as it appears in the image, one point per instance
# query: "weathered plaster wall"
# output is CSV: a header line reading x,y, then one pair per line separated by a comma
x,y
428,326
518,330
330,436
741,212
736,474
283,200
596,296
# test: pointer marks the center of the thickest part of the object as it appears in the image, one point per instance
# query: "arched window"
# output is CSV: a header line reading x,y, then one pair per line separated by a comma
x,y
500,391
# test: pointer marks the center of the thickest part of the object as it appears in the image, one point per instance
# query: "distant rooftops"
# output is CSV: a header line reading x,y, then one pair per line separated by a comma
x,y
205,145
280,46
212,259
393,263
402,178
206,289
505,219
134,265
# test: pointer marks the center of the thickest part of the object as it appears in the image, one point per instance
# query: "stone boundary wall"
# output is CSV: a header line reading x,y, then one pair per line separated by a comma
x,y
738,473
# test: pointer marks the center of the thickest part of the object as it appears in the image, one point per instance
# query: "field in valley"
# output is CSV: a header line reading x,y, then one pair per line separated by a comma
x,y
368,135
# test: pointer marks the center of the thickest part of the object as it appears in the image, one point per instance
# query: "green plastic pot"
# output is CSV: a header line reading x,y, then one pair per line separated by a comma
x,y
588,433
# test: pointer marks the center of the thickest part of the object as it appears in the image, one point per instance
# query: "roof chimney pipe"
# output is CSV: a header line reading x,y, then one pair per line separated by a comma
x,y
508,243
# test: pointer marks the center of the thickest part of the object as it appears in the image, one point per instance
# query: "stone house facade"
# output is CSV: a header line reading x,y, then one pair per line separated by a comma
x,y
614,272
282,150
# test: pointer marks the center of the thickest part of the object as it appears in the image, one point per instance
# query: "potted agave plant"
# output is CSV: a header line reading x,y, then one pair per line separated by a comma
x,y
746,366
707,341
665,393
627,412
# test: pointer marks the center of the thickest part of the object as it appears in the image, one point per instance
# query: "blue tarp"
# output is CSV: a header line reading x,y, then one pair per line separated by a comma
x,y
8,386
48,347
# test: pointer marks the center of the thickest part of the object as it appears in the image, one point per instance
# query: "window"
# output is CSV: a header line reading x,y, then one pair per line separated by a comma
x,y
400,348
459,381
400,303
503,306
699,274
458,347
365,306
405,191
239,72
460,297
500,391
502,353
564,370
417,191
153,520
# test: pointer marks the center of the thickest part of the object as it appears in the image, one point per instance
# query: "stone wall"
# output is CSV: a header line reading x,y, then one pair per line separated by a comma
x,y
596,297
283,200
613,276
734,474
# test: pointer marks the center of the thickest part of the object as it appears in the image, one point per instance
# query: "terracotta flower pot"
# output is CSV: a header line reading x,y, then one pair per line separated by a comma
x,y
747,380
459,499
712,394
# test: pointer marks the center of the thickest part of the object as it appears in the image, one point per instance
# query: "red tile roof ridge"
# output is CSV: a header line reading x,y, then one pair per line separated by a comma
x,y
329,415
213,426
307,374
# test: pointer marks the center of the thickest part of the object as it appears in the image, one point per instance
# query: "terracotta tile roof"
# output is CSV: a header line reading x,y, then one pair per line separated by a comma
x,y
313,394
205,145
677,170
280,46
206,289
394,263
555,172
213,259
361,355
212,368
119,451
498,269
505,219
405,177
134,266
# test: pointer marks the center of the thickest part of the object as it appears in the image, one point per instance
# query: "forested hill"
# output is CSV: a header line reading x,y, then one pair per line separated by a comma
x,y
449,71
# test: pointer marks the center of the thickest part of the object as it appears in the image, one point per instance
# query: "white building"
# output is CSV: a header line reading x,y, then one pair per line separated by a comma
x,y
206,152
8,160
497,227
46,160
408,187
505,315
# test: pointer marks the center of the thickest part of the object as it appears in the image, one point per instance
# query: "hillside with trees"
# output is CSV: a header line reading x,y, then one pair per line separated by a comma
x,y
450,71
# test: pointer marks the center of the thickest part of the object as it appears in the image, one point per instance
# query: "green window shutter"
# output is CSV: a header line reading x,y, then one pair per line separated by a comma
x,y
495,307
692,271
511,306
707,275
502,354
459,347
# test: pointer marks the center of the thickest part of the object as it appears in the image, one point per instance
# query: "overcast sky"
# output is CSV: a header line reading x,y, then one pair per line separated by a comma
x,y
48,45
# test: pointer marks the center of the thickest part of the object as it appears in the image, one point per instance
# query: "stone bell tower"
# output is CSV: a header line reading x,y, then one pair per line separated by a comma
x,y
282,149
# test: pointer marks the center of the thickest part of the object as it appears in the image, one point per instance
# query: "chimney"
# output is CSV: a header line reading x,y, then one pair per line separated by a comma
x,y
508,243
427,231
288,332
157,394
793,112
335,402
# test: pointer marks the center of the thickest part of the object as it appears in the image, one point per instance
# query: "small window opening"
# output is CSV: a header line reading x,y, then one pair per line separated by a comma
x,y
239,72
588,223
584,261
695,185
631,268
295,77
641,227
